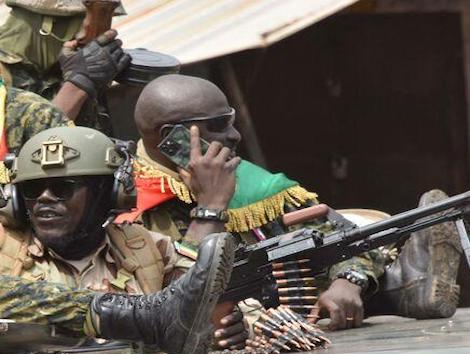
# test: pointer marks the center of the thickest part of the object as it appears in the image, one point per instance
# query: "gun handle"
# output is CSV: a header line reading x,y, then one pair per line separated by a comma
x,y
98,18
306,214
221,310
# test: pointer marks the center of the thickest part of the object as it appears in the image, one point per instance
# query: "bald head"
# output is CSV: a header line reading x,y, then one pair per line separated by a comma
x,y
171,98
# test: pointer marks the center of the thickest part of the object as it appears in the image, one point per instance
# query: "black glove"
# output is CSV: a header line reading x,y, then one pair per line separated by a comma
x,y
93,67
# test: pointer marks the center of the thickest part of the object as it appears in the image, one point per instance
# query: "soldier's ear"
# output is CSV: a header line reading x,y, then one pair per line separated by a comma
x,y
12,209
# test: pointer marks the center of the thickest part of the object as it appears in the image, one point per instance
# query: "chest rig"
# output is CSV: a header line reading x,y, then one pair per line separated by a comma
x,y
137,256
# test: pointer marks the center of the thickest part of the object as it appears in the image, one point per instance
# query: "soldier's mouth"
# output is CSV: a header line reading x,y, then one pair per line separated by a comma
x,y
47,214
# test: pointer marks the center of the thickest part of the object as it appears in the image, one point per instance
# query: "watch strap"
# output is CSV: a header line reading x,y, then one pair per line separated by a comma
x,y
355,278
209,214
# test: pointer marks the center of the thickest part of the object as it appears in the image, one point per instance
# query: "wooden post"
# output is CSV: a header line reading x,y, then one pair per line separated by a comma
x,y
245,123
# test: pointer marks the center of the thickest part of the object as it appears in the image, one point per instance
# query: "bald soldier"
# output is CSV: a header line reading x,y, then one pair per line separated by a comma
x,y
420,283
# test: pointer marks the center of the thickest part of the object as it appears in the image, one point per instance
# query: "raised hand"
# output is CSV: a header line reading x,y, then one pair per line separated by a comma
x,y
93,67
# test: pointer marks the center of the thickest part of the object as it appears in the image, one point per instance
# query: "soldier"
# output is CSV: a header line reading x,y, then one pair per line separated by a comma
x,y
420,283
70,182
38,53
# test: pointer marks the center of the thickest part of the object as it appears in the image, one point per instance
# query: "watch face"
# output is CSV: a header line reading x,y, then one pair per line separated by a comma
x,y
210,213
358,275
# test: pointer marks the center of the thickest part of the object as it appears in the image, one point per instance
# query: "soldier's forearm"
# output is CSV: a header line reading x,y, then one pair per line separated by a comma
x,y
198,229
44,303
70,100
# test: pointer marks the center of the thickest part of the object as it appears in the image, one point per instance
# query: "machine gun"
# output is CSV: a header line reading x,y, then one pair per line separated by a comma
x,y
254,264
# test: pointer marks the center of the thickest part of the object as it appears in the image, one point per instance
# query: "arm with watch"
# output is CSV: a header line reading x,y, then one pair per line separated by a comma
x,y
347,254
210,176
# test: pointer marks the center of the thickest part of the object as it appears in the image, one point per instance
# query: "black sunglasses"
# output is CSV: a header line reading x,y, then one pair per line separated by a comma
x,y
214,124
62,188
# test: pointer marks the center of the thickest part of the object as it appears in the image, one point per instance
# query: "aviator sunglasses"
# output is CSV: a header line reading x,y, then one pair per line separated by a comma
x,y
62,188
214,124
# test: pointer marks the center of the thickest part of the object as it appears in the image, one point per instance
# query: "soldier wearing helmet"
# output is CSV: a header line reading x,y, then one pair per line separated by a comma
x,y
70,182
38,53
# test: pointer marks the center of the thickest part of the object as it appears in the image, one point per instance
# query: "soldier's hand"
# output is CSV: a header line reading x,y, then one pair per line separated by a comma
x,y
233,333
93,67
211,176
342,303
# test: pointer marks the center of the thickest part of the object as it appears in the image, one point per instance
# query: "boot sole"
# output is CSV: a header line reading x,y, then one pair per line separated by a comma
x,y
445,255
220,272
445,251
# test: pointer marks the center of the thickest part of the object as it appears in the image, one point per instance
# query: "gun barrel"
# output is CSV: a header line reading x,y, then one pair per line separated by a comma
x,y
407,217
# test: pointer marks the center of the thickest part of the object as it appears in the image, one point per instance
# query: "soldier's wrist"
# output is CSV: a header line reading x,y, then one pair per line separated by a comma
x,y
354,277
209,213
83,83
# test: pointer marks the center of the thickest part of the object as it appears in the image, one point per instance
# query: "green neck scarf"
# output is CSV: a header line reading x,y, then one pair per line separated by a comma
x,y
260,197
36,39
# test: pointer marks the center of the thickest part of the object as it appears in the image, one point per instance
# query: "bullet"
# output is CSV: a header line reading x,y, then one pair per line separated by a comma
x,y
269,320
290,272
265,330
289,264
298,300
307,281
279,344
276,315
297,290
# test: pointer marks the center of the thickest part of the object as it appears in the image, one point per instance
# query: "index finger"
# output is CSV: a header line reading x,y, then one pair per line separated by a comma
x,y
231,319
72,45
359,317
106,37
314,315
337,318
195,143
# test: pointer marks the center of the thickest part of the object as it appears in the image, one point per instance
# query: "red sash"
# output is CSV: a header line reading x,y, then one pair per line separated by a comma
x,y
150,193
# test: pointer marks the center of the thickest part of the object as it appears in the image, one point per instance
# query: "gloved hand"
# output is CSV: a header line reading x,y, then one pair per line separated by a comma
x,y
93,67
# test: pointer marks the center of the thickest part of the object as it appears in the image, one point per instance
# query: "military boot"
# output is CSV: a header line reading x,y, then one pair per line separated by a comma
x,y
420,283
177,319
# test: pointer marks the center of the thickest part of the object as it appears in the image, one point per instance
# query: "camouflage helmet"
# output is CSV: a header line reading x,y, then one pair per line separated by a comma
x,y
66,151
57,7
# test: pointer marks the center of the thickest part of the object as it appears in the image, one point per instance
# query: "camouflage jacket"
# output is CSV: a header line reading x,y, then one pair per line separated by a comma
x,y
52,290
28,301
23,76
26,114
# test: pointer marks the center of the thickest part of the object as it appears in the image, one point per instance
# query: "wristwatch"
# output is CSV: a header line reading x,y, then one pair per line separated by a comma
x,y
355,278
209,214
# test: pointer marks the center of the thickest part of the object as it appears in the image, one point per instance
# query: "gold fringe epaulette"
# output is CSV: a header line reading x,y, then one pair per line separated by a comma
x,y
4,174
260,213
178,188
241,219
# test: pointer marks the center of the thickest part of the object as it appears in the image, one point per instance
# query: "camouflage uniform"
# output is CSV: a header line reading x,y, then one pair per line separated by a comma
x,y
23,67
27,301
59,280
25,77
26,114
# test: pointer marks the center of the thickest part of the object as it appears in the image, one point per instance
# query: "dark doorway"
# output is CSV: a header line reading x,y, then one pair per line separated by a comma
x,y
367,110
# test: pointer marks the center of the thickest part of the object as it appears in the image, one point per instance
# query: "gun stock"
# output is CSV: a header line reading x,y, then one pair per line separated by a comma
x,y
252,275
98,18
